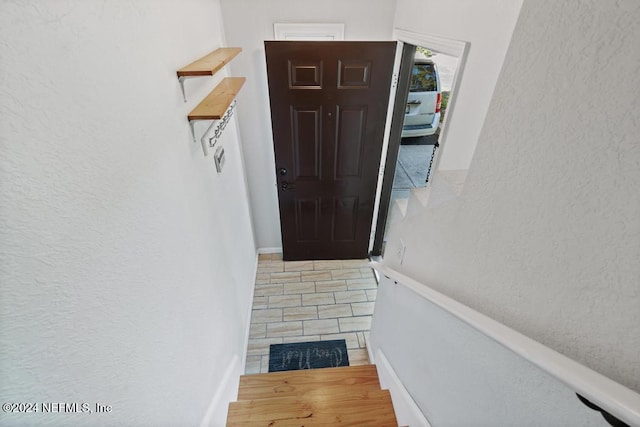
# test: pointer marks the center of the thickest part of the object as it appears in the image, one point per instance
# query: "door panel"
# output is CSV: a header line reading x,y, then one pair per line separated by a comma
x,y
353,74
307,142
328,110
307,220
305,74
345,219
349,141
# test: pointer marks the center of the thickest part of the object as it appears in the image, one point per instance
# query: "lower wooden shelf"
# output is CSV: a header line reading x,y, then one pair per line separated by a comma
x,y
216,103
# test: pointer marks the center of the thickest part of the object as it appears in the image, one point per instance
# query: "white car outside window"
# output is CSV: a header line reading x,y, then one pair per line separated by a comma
x,y
422,114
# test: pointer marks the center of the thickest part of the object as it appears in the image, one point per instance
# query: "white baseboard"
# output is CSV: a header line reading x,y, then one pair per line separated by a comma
x,y
216,415
367,343
248,328
277,250
407,411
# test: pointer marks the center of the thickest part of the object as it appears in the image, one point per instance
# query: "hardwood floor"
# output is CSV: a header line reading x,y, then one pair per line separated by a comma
x,y
347,396
279,384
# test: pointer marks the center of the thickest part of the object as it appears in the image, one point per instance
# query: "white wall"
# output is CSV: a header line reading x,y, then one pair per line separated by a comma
x,y
248,23
546,234
487,25
126,261
460,377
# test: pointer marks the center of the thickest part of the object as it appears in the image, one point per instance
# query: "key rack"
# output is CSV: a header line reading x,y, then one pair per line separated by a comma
x,y
217,106
220,125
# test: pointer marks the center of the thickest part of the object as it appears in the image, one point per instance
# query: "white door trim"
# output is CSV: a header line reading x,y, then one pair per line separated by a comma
x,y
439,44
309,32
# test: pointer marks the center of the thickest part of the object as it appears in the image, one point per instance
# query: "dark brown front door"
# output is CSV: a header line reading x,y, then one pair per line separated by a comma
x,y
328,109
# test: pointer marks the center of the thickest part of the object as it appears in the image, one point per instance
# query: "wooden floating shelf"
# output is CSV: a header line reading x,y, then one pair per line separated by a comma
x,y
216,103
208,65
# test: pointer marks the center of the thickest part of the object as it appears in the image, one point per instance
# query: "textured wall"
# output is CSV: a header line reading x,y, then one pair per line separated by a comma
x,y
487,25
248,23
123,252
546,234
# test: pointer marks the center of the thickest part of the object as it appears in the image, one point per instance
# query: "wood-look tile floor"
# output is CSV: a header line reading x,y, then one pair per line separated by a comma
x,y
298,301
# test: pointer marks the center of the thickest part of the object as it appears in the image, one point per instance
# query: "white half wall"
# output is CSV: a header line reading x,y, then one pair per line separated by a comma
x,y
487,26
126,261
545,236
248,23
458,376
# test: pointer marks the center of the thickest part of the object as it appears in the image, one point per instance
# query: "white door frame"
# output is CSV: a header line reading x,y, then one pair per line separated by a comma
x,y
457,48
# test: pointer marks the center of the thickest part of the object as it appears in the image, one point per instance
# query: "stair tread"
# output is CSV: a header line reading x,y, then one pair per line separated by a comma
x,y
292,383
370,408
311,392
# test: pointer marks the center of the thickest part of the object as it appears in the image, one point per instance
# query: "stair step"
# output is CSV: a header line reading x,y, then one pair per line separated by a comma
x,y
366,408
295,383
418,200
398,210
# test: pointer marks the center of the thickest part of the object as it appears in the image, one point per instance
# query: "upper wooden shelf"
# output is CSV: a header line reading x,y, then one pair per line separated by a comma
x,y
210,64
216,103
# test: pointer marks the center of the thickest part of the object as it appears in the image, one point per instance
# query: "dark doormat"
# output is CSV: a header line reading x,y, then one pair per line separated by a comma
x,y
308,355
